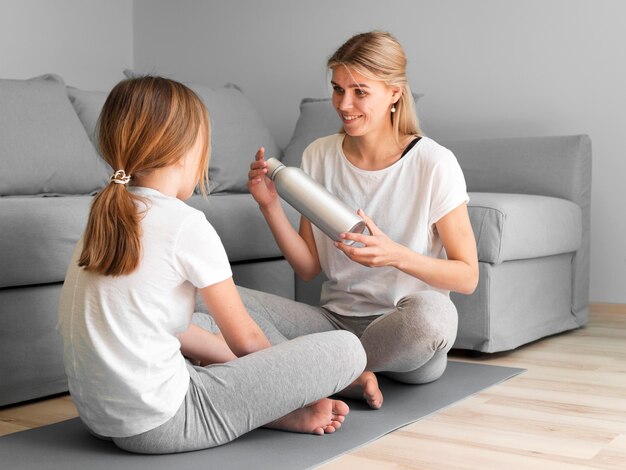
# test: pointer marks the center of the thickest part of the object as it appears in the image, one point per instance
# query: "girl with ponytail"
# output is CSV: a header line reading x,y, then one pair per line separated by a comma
x,y
139,372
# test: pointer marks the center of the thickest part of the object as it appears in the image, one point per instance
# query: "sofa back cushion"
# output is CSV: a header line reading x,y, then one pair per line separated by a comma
x,y
44,149
237,132
88,105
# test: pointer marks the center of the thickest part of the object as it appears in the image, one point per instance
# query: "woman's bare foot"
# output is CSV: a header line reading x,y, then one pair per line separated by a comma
x,y
323,416
365,388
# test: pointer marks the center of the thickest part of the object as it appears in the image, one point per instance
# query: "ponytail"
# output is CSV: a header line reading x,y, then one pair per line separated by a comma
x,y
112,240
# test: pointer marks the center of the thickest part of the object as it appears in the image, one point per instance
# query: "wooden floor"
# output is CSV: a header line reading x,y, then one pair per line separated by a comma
x,y
567,411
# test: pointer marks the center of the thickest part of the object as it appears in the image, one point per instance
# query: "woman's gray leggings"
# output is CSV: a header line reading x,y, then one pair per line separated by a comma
x,y
227,400
409,344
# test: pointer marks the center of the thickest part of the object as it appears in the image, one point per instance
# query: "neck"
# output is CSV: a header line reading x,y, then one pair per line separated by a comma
x,y
161,179
374,151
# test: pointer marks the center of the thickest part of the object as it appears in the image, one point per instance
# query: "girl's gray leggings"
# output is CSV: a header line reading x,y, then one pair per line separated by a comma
x,y
227,400
409,344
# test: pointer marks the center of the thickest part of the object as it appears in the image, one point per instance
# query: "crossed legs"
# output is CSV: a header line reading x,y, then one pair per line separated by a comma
x,y
408,344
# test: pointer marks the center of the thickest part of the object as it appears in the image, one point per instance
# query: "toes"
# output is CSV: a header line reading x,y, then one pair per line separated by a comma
x,y
340,408
335,424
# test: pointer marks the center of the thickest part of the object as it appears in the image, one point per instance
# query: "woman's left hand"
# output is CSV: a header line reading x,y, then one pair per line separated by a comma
x,y
375,250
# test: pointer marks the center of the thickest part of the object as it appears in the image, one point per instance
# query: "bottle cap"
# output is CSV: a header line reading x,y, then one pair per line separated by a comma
x,y
273,167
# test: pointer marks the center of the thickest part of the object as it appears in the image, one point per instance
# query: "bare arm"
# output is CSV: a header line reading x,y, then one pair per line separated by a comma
x,y
204,347
297,247
241,333
458,273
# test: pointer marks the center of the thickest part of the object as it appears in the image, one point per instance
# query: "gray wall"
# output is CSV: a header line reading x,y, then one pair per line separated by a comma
x,y
487,68
87,42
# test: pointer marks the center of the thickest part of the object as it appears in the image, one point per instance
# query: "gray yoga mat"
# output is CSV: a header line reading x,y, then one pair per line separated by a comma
x,y
68,446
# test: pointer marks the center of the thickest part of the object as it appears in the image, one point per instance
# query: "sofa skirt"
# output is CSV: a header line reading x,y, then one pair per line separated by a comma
x,y
31,351
517,302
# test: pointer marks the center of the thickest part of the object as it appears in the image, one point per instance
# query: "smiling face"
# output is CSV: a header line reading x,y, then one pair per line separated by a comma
x,y
364,105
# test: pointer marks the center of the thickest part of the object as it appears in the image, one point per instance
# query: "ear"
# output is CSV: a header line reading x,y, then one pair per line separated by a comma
x,y
396,93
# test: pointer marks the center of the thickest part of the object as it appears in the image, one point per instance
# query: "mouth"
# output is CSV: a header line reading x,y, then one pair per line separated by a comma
x,y
350,118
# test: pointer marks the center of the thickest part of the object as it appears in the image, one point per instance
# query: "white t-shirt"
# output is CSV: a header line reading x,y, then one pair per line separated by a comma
x,y
404,200
122,357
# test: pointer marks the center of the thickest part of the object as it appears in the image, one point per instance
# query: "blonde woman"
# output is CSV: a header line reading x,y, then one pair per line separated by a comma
x,y
130,290
392,288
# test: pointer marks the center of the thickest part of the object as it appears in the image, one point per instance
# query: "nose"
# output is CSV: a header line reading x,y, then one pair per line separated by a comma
x,y
343,102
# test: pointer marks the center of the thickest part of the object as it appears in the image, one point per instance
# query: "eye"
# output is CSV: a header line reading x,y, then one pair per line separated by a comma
x,y
338,90
360,92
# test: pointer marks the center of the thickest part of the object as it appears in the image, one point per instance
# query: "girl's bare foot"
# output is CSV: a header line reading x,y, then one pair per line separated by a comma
x,y
365,388
323,416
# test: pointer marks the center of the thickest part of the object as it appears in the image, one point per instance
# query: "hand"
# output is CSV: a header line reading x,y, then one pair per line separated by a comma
x,y
259,184
377,248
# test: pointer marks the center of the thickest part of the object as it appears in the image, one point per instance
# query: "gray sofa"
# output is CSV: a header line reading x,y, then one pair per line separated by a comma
x,y
529,208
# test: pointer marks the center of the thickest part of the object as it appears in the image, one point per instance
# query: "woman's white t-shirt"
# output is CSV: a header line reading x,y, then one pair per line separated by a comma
x,y
122,357
404,200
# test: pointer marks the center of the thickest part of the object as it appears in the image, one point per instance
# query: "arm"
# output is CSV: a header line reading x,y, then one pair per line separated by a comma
x,y
458,273
297,247
204,347
241,333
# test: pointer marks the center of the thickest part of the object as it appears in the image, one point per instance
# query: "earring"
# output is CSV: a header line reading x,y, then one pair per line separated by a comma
x,y
393,108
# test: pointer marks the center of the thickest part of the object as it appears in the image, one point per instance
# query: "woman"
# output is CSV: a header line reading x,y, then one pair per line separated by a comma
x,y
391,288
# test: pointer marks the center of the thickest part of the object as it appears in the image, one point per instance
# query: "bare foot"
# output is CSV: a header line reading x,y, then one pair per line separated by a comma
x,y
323,416
365,388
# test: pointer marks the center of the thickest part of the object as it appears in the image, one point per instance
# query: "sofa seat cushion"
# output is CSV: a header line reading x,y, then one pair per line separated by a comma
x,y
37,237
38,234
240,225
521,226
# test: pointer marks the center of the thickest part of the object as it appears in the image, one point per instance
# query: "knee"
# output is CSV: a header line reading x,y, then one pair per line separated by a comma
x,y
349,349
432,317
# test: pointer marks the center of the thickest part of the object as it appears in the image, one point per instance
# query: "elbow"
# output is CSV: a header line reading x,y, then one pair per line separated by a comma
x,y
308,274
468,290
468,287
306,277
252,344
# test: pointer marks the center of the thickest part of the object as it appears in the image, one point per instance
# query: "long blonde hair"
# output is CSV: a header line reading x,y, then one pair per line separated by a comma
x,y
146,123
378,55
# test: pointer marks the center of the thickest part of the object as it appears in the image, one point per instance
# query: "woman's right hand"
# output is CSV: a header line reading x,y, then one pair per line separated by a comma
x,y
259,184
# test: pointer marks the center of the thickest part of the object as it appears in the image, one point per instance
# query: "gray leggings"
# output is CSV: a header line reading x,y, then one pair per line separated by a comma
x,y
227,400
409,344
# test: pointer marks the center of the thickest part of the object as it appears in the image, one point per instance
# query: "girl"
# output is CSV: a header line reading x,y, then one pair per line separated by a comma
x,y
392,288
130,292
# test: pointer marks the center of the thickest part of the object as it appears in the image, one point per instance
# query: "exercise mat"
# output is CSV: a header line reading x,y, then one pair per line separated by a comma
x,y
68,446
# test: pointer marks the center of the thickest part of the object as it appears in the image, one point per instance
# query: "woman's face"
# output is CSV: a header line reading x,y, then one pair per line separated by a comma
x,y
364,105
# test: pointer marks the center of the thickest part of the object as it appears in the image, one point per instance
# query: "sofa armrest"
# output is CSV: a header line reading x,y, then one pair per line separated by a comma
x,y
556,166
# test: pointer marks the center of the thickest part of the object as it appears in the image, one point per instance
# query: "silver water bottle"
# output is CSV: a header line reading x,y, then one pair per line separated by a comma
x,y
323,209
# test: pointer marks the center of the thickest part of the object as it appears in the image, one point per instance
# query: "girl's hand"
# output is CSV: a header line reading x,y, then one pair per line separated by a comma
x,y
259,184
377,248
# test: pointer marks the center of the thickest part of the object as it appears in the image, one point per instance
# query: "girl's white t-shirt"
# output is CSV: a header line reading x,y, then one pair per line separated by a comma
x,y
122,357
404,200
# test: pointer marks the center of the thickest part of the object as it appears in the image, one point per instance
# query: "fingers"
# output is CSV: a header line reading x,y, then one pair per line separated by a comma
x,y
371,226
357,237
257,171
260,154
258,168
